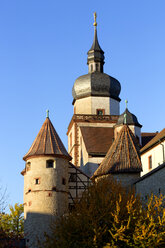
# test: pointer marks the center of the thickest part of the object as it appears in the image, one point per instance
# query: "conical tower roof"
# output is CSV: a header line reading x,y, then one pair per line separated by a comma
x,y
46,143
123,155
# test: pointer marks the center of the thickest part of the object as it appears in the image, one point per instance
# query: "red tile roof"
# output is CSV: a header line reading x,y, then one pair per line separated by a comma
x,y
123,155
97,139
47,142
153,142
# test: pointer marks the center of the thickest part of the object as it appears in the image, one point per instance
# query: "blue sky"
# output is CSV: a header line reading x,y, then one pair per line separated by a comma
x,y
43,46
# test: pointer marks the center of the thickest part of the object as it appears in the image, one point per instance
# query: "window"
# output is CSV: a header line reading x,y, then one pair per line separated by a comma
x,y
97,67
37,180
70,140
28,166
54,188
91,68
49,163
63,181
150,162
72,177
100,111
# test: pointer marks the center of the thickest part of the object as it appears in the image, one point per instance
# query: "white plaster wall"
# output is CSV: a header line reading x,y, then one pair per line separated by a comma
x,y
100,103
89,105
138,133
157,158
114,107
83,106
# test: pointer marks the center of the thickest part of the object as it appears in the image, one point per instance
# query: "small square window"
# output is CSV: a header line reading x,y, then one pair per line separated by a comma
x,y
100,111
72,177
49,163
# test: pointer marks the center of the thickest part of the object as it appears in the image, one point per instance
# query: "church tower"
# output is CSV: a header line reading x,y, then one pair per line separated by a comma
x,y
96,110
45,183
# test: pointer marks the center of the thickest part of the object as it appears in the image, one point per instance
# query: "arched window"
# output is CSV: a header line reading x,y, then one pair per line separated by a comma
x,y
49,163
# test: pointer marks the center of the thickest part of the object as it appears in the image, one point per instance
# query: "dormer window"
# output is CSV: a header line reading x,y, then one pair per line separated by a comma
x,y
50,163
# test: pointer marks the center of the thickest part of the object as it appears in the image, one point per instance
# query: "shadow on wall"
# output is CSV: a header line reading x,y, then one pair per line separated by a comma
x,y
36,226
12,243
89,168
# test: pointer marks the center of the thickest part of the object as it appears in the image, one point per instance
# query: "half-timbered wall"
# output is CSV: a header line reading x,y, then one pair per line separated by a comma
x,y
78,183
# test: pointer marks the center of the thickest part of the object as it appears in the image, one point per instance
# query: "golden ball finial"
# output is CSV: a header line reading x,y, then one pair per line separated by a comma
x,y
95,16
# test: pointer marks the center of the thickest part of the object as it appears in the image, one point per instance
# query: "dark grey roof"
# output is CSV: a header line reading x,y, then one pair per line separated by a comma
x,y
95,46
131,119
96,84
95,53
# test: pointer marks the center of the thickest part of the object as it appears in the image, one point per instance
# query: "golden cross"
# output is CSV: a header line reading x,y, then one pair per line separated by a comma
x,y
95,16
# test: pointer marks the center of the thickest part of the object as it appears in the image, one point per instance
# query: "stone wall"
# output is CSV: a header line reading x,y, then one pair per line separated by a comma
x,y
153,182
45,195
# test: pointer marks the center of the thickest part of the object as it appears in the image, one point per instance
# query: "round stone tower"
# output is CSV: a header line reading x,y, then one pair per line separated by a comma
x,y
45,183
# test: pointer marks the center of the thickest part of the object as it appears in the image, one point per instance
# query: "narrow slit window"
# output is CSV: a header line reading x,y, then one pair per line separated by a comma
x,y
63,181
37,181
150,162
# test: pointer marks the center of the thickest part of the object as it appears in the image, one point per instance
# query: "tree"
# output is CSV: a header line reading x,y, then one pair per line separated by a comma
x,y
12,223
110,216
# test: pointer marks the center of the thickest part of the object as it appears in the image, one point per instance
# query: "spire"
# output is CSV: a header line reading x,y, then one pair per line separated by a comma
x,y
95,54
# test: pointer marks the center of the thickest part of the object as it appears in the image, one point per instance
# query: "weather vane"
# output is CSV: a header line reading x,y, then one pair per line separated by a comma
x,y
95,16
47,113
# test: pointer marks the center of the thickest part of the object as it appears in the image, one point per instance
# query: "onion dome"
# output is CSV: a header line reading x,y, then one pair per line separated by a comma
x,y
96,83
123,155
128,118
47,143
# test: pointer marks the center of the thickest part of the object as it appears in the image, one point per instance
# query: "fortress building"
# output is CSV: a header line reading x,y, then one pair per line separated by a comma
x,y
101,142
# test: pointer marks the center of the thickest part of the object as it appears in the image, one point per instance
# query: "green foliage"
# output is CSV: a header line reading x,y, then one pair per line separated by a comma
x,y
12,223
109,216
